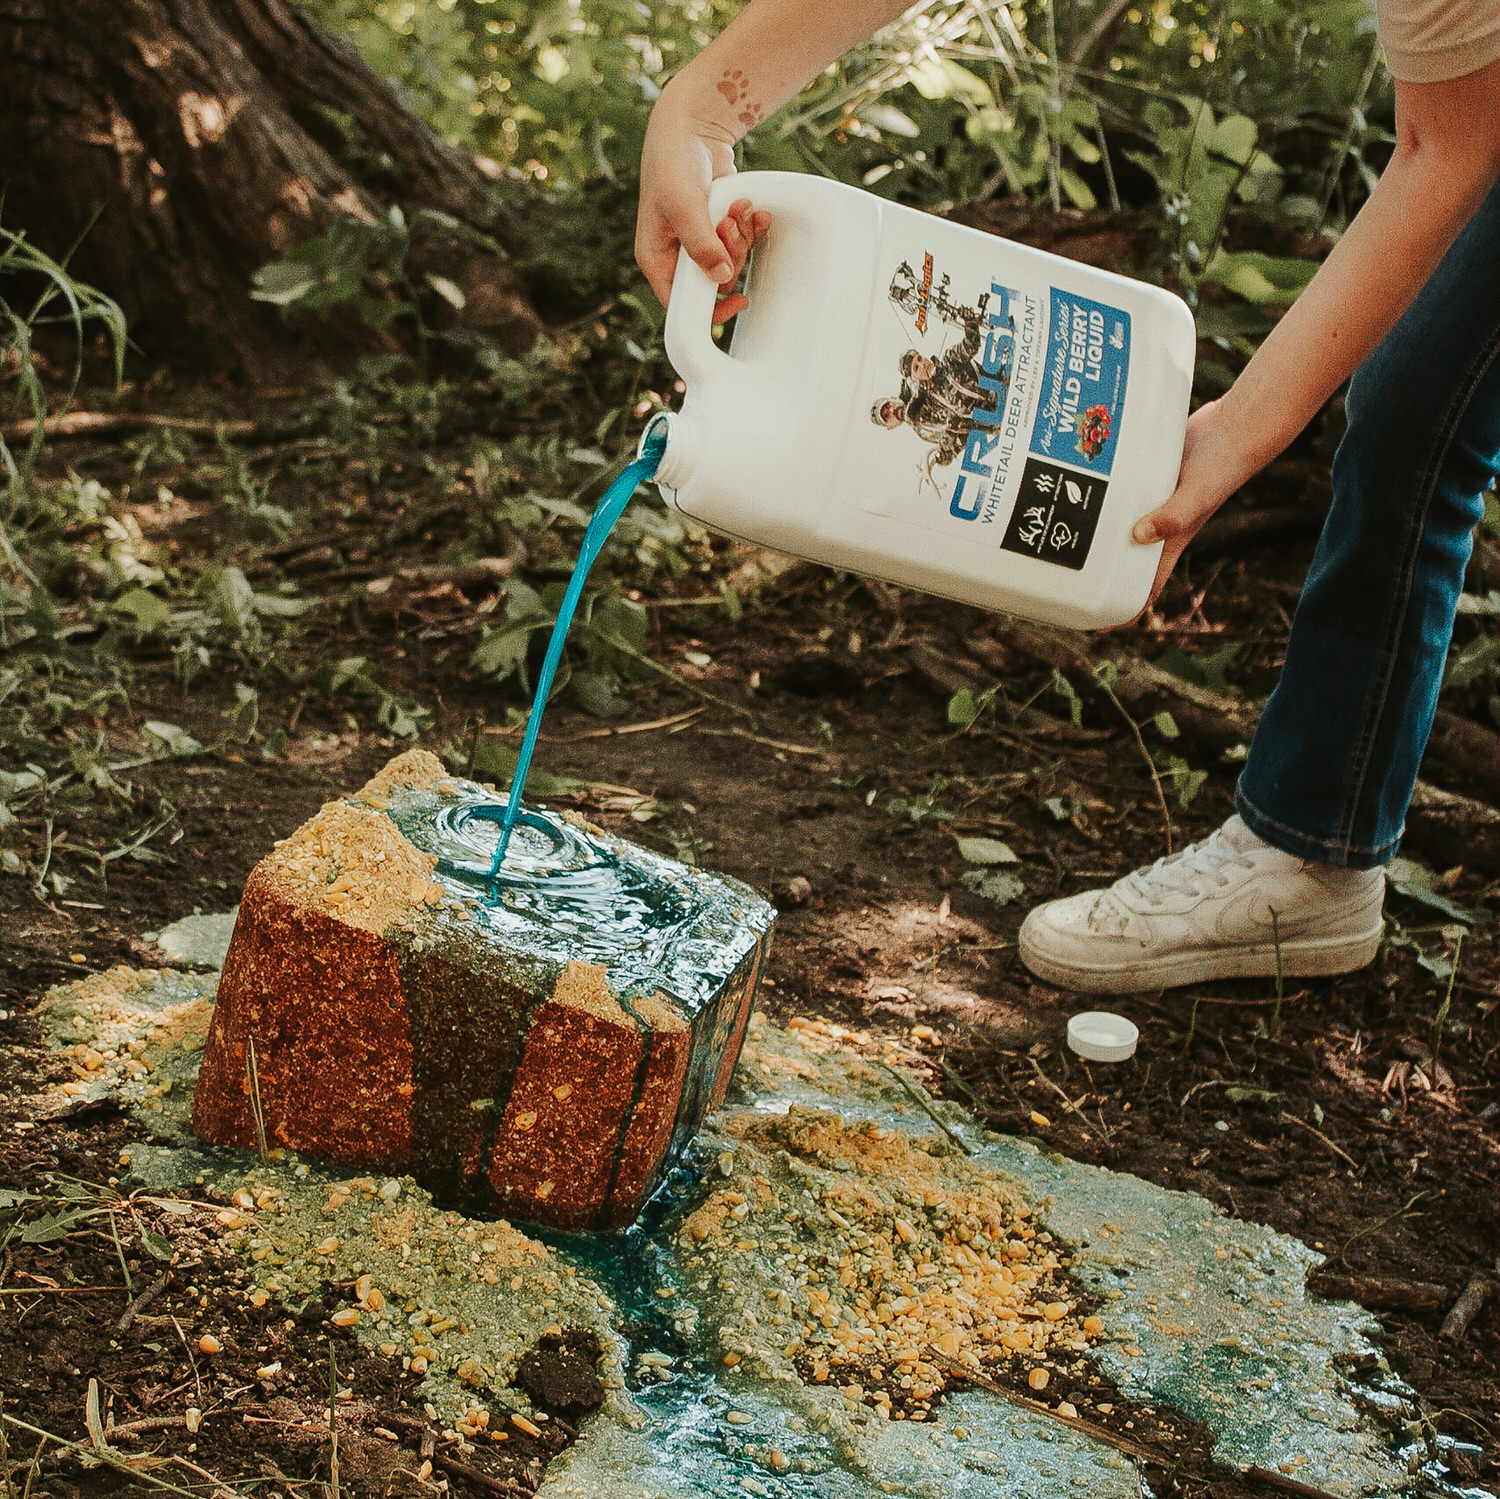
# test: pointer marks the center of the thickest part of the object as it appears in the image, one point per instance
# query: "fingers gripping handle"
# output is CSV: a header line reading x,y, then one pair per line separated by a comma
x,y
690,319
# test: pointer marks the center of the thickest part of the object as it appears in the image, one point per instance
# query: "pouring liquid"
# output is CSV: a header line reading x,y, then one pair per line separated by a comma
x,y
611,507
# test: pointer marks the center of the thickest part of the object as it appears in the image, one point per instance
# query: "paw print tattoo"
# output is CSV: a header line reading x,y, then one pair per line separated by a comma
x,y
734,86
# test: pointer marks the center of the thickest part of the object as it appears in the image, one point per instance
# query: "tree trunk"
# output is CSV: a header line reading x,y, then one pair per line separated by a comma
x,y
181,144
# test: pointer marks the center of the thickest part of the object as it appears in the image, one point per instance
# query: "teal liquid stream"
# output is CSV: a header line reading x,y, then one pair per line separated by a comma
x,y
611,507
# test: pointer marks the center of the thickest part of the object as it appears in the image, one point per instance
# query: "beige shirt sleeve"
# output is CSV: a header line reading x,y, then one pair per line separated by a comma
x,y
1431,41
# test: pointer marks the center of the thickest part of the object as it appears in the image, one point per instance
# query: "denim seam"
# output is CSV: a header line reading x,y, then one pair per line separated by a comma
x,y
1375,712
1376,854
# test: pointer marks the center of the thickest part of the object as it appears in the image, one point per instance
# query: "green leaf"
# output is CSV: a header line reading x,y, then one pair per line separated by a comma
x,y
155,1244
1235,137
174,740
450,291
494,762
1260,278
998,885
147,612
594,692
1415,882
282,282
961,708
986,851
501,652
1165,725
1251,1095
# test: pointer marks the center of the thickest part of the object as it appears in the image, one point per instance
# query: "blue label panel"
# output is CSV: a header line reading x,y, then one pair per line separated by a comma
x,y
1083,383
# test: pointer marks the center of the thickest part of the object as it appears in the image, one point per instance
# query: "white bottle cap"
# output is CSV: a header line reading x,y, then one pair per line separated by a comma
x,y
1102,1037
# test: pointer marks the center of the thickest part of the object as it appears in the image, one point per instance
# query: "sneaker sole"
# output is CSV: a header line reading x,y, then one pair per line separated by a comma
x,y
1304,958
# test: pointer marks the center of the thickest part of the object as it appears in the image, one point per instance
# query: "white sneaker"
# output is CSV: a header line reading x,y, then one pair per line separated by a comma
x,y
1205,913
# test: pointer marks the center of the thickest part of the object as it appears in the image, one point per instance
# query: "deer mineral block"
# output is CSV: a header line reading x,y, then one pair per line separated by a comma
x,y
542,1046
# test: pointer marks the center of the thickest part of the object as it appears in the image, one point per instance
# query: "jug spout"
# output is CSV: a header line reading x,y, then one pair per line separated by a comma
x,y
680,455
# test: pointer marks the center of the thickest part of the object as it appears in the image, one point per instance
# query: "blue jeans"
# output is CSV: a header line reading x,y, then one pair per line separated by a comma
x,y
1335,755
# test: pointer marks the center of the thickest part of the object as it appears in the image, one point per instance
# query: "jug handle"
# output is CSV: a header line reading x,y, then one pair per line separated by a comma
x,y
690,318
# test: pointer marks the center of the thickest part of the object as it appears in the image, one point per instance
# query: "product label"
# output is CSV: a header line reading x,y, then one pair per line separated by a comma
x,y
1006,400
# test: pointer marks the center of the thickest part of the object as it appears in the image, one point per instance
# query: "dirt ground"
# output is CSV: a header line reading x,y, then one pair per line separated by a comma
x,y
807,749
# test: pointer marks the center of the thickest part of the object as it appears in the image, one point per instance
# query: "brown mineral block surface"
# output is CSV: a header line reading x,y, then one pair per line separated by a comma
x,y
541,1047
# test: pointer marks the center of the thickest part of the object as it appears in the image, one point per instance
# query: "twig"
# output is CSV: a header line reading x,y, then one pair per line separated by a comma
x,y
333,1422
141,1302
609,732
1280,981
131,1430
506,1486
1068,1103
252,1074
1285,1485
777,744
110,1458
114,1229
110,423
1442,1014
1127,1445
1379,1295
1100,676
1373,1228
59,1290
1470,1303
1341,1153
925,1103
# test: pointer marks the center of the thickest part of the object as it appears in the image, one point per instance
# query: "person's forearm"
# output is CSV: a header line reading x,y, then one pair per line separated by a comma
x,y
1427,194
767,54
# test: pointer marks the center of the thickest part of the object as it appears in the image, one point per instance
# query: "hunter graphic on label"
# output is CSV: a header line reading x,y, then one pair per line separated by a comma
x,y
940,394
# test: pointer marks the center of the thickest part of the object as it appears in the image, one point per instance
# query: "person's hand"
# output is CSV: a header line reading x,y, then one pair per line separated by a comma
x,y
681,159
1213,467
740,230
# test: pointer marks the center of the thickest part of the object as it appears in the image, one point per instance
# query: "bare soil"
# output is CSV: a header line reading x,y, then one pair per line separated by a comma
x,y
824,771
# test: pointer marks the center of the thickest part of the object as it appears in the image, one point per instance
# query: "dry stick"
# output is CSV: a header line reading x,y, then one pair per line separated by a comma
x,y
58,1290
777,744
1342,1154
926,1105
1124,1444
109,1457
1127,1445
1140,744
333,1422
252,1073
1068,1103
1442,1014
132,1430
1470,1303
1378,1294
109,423
613,732
506,1486
141,1302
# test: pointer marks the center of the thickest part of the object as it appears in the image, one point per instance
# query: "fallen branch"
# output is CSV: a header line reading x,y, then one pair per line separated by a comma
x,y
1382,1295
112,423
1470,1303
1453,829
388,594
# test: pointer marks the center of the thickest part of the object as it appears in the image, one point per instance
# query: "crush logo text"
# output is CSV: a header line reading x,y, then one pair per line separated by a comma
x,y
996,362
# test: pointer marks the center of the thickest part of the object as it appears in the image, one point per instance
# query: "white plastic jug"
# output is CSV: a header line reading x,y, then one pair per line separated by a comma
x,y
920,402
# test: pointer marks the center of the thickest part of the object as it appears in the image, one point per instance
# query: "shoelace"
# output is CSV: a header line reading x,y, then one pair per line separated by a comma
x,y
1184,870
